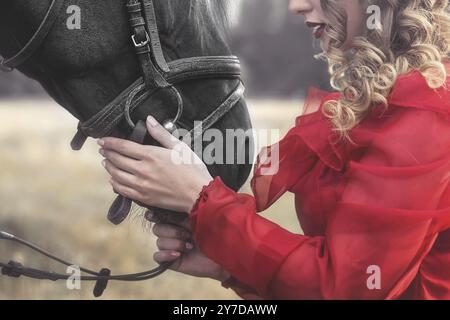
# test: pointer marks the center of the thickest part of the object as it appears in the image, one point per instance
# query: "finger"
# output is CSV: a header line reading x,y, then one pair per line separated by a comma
x,y
124,147
160,134
120,161
173,244
126,191
166,256
121,176
162,230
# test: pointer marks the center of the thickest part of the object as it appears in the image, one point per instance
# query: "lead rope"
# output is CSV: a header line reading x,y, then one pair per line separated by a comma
x,y
16,269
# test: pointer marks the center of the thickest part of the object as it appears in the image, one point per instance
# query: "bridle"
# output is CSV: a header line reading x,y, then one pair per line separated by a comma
x,y
157,75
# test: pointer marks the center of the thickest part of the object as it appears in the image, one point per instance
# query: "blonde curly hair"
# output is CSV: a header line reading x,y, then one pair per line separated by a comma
x,y
412,35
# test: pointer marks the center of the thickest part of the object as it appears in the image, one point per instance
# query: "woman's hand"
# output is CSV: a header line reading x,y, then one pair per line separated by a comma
x,y
170,177
175,244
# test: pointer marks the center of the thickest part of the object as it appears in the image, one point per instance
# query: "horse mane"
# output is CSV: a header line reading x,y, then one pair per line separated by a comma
x,y
204,14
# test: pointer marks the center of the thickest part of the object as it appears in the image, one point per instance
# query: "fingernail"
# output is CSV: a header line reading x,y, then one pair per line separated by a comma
x,y
152,121
100,142
175,254
104,163
149,215
189,246
102,152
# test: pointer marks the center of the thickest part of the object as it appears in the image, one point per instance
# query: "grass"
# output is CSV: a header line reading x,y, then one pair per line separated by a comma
x,y
58,198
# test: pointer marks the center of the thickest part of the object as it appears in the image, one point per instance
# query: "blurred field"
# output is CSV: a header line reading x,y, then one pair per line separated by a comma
x,y
58,198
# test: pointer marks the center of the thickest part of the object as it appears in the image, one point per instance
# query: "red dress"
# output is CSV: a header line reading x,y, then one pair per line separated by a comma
x,y
380,204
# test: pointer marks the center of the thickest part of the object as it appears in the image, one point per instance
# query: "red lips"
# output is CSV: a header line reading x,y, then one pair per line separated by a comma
x,y
318,28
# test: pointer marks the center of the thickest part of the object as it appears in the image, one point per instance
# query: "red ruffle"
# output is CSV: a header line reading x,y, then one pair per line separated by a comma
x,y
203,195
313,137
202,198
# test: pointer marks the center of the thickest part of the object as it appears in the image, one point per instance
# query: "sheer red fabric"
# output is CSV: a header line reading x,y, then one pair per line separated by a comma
x,y
382,203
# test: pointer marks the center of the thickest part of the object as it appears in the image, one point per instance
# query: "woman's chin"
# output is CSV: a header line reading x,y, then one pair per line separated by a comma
x,y
321,38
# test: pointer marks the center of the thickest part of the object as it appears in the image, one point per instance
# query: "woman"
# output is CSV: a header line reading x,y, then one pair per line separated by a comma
x,y
369,165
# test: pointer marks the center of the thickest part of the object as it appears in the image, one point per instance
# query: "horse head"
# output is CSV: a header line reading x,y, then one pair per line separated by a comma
x,y
111,63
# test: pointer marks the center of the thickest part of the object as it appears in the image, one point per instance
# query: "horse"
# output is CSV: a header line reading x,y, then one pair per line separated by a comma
x,y
111,69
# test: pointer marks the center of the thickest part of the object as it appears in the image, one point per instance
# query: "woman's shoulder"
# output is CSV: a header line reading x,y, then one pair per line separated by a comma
x,y
412,90
415,128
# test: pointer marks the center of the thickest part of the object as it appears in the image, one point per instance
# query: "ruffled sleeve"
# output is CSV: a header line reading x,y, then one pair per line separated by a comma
x,y
394,203
281,166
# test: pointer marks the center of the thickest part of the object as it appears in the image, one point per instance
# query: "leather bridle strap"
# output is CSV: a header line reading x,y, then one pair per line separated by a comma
x,y
15,269
102,123
8,64
216,115
155,42
143,32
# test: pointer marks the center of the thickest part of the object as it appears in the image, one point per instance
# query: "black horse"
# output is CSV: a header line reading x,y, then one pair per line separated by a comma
x,y
86,69
111,63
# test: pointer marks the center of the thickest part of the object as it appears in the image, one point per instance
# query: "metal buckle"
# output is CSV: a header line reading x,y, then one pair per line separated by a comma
x,y
142,43
170,125
3,67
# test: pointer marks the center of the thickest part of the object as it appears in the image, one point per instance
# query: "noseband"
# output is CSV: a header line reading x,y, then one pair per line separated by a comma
x,y
157,76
